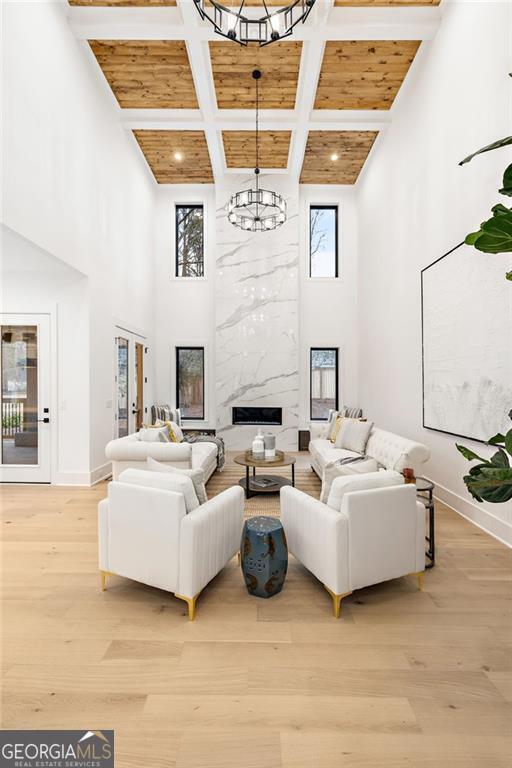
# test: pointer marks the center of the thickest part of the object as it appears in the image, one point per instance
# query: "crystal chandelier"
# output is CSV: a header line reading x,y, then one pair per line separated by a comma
x,y
273,25
257,210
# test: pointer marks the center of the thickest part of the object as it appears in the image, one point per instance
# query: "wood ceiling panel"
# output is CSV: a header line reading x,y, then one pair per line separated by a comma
x,y
240,148
123,3
363,74
147,74
384,3
352,148
232,66
159,148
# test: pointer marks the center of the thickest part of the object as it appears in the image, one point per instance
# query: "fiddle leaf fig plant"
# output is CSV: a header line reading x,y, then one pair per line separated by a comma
x,y
491,479
495,234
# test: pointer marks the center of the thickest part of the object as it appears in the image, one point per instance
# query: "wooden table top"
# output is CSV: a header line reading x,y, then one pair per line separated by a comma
x,y
281,459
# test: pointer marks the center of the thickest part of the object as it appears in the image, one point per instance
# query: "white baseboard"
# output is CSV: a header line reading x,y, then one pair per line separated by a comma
x,y
83,478
101,473
476,514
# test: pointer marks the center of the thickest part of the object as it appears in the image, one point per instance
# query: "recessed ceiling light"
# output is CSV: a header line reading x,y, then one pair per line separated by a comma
x,y
334,157
178,157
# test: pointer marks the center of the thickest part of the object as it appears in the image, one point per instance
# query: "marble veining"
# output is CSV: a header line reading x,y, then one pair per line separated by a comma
x,y
257,295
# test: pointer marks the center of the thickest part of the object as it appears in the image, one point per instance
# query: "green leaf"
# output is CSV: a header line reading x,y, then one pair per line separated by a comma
x,y
468,453
497,439
508,276
495,145
500,459
507,182
508,441
492,484
495,235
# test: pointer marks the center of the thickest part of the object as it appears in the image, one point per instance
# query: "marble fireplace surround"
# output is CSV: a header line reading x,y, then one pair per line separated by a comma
x,y
256,322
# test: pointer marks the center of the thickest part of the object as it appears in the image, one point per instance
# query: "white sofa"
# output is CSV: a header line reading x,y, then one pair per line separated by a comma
x,y
390,451
375,535
146,535
129,452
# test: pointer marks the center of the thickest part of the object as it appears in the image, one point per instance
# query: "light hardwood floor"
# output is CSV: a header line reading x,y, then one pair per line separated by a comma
x,y
404,678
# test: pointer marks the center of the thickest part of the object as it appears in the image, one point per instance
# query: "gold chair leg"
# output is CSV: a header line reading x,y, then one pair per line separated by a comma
x,y
238,557
103,579
191,602
336,601
421,579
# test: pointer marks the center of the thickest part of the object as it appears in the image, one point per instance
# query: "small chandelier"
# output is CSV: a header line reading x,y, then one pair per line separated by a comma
x,y
257,210
272,26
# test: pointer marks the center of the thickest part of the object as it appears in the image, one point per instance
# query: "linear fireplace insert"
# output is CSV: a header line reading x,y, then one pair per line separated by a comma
x,y
257,416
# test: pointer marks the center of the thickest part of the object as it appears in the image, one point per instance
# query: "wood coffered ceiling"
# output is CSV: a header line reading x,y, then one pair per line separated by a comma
x,y
239,148
147,73
232,66
159,148
182,88
351,147
363,74
124,3
384,3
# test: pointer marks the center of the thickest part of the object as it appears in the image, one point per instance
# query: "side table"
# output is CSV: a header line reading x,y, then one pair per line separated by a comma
x,y
425,494
264,556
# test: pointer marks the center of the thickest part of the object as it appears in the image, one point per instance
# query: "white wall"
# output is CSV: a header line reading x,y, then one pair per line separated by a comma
x,y
186,309
33,281
75,184
328,307
415,203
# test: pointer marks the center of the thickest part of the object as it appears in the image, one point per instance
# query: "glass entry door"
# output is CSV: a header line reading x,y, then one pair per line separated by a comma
x,y
25,398
129,381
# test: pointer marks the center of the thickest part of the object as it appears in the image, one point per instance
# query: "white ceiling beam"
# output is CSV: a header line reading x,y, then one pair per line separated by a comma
x,y
105,23
200,64
243,120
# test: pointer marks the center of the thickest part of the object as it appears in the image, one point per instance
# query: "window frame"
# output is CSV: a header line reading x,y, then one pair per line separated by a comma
x,y
177,276
328,207
337,378
177,358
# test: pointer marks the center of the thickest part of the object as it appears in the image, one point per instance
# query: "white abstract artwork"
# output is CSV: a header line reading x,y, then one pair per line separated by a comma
x,y
467,344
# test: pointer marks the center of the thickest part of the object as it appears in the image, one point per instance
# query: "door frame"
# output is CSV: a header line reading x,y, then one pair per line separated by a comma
x,y
133,337
46,370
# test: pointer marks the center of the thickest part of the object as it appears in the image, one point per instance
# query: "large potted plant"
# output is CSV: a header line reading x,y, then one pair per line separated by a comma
x,y
491,479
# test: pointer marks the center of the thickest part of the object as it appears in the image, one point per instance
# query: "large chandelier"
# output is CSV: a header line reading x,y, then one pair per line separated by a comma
x,y
257,210
273,25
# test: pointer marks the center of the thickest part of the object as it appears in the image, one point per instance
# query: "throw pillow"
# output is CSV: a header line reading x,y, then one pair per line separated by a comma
x,y
335,469
354,435
174,431
336,429
333,415
177,483
196,475
153,435
366,482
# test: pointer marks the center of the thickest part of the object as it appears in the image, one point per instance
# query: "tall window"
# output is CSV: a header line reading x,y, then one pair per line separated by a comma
x,y
189,241
190,382
323,241
324,382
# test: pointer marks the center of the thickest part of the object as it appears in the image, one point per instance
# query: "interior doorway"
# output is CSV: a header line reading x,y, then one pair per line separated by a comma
x,y
25,398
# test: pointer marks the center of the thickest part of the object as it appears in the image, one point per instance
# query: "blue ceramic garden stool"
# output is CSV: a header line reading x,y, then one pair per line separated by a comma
x,y
264,556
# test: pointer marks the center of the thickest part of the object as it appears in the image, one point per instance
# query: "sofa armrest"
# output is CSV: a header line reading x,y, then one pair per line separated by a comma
x,y
318,536
209,537
318,429
124,449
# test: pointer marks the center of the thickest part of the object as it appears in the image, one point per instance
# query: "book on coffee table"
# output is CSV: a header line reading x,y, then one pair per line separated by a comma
x,y
262,482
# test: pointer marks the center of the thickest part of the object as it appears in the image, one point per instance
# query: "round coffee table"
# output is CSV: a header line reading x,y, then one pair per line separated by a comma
x,y
264,483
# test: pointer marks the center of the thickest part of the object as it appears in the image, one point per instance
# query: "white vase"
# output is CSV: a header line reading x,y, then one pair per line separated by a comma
x,y
258,446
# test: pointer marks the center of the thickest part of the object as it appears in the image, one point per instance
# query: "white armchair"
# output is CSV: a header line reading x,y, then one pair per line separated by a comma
x,y
146,535
372,535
